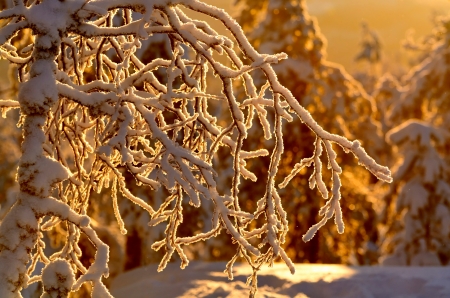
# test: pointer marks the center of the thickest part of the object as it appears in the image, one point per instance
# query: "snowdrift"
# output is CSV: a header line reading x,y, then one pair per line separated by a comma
x,y
310,280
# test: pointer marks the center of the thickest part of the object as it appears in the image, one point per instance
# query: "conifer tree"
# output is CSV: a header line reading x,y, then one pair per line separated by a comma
x,y
419,224
339,104
417,207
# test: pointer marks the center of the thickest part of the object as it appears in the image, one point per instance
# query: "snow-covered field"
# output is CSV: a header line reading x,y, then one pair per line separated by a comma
x,y
208,280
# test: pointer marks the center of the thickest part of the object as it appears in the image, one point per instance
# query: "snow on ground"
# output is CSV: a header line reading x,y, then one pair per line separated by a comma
x,y
310,280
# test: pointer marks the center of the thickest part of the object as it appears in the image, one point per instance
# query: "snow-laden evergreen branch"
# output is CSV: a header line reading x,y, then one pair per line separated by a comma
x,y
89,115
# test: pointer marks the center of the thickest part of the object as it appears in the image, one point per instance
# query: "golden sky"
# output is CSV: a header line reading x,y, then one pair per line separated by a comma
x,y
340,22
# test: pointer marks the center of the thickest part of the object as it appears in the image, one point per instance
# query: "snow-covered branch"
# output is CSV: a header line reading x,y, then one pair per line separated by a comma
x,y
92,109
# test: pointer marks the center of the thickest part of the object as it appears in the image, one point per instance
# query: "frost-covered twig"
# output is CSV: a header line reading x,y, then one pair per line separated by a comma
x,y
92,109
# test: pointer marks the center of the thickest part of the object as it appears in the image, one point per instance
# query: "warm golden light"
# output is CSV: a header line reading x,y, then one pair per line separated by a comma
x,y
340,22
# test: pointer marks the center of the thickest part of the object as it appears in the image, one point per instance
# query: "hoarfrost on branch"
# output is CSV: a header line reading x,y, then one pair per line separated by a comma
x,y
116,114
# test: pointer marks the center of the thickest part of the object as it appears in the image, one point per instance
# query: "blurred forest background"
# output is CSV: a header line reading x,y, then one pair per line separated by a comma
x,y
377,71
